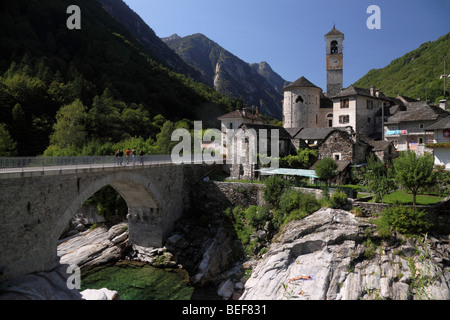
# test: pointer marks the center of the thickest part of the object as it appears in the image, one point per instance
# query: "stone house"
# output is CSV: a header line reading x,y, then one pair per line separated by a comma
x,y
233,120
407,124
255,139
384,150
340,145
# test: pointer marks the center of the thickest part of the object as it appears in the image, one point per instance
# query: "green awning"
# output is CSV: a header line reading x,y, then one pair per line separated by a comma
x,y
289,172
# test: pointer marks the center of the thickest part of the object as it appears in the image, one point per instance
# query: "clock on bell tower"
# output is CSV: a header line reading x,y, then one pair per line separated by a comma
x,y
334,41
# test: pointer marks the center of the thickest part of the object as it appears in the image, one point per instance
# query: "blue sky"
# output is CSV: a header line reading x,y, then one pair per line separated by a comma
x,y
289,34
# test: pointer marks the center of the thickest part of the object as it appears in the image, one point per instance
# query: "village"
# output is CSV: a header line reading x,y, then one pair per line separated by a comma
x,y
344,124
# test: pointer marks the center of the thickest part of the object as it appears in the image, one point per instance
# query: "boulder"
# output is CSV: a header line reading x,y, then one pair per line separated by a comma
x,y
101,294
323,257
226,289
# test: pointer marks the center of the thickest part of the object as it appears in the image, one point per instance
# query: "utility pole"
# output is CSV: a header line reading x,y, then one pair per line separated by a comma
x,y
445,75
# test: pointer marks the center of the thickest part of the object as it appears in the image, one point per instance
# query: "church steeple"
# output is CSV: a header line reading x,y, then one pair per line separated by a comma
x,y
334,56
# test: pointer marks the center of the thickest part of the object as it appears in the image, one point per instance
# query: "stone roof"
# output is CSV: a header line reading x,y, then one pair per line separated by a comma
x,y
334,32
283,134
293,131
356,91
300,83
341,165
240,114
440,125
379,145
316,133
418,111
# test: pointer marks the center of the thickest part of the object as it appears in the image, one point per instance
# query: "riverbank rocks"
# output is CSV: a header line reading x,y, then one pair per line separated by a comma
x,y
94,247
40,286
86,249
326,257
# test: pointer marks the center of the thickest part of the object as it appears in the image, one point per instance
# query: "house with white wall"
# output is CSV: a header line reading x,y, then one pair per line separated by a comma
x,y
406,128
440,142
360,109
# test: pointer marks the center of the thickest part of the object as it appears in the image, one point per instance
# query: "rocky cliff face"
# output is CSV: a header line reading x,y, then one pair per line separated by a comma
x,y
326,256
256,84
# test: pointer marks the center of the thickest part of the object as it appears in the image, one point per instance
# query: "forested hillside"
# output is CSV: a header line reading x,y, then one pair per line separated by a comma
x,y
416,74
101,76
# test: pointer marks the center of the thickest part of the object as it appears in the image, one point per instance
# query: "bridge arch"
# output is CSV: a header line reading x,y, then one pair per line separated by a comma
x,y
142,198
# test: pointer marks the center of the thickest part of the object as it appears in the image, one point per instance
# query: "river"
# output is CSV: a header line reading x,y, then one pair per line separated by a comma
x,y
140,281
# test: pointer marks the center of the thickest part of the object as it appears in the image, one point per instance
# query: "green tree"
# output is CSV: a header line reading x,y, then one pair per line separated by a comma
x,y
275,187
105,121
414,172
326,169
376,177
69,129
164,141
7,144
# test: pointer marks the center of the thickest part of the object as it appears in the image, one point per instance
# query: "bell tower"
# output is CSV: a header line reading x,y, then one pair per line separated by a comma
x,y
334,42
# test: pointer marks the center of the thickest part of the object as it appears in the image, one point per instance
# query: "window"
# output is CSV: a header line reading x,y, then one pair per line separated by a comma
x,y
334,47
369,120
344,119
370,104
337,156
344,103
421,126
231,125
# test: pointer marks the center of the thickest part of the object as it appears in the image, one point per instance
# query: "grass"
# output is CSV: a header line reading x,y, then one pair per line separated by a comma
x,y
406,198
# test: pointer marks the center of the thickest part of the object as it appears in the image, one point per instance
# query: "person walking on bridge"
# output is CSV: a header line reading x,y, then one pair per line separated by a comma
x,y
121,156
133,155
128,155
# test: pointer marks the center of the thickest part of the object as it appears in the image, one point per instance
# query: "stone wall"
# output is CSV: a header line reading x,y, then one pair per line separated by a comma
x,y
220,195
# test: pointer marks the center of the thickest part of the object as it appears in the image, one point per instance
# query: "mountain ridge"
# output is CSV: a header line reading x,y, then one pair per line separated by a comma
x,y
256,83
147,37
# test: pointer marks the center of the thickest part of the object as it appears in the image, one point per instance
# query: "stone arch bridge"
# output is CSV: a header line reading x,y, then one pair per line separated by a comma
x,y
37,203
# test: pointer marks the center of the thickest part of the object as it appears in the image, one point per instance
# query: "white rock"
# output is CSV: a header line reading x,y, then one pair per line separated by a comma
x,y
226,289
102,294
120,238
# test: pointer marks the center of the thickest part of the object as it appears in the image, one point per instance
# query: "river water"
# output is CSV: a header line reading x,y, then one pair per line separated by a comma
x,y
139,281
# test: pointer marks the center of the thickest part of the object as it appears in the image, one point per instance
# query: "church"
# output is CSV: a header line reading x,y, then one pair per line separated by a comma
x,y
306,106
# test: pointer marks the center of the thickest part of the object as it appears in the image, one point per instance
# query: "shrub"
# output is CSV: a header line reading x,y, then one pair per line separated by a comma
x,y
297,214
295,205
275,186
256,216
290,200
406,220
338,200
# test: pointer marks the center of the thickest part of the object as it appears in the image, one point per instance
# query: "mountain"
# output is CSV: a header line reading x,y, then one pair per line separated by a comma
x,y
156,48
416,74
256,84
45,66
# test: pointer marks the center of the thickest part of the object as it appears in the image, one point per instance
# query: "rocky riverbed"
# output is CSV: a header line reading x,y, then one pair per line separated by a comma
x,y
329,255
